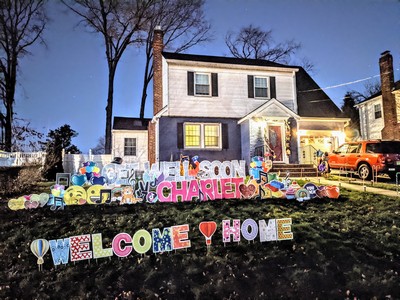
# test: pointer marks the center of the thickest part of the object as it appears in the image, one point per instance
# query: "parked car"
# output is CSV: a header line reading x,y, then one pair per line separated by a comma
x,y
368,157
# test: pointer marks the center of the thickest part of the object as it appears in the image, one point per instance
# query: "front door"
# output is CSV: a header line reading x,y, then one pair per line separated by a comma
x,y
275,138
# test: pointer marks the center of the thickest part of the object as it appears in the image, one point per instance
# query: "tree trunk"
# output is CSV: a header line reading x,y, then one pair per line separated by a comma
x,y
146,80
10,80
109,108
8,129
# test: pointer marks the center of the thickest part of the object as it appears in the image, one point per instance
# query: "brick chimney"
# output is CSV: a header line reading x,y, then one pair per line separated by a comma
x,y
391,130
158,46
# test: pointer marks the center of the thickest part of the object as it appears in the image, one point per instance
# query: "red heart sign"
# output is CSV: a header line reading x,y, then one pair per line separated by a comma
x,y
208,229
247,190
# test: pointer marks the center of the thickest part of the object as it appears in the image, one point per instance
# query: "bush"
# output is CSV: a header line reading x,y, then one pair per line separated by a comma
x,y
19,181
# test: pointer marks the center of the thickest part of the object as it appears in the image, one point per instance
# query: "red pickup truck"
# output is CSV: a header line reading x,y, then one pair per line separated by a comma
x,y
365,157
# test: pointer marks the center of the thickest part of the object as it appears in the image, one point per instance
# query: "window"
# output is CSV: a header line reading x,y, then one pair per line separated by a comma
x,y
129,147
354,148
202,84
343,148
202,135
378,111
372,148
193,135
260,87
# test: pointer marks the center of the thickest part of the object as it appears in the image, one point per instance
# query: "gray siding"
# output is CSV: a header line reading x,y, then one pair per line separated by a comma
x,y
168,140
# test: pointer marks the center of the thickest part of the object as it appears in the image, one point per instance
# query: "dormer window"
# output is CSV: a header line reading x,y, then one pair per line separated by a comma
x,y
261,87
202,84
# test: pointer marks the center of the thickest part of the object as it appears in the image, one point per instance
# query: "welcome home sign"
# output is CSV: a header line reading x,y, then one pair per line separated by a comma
x,y
90,246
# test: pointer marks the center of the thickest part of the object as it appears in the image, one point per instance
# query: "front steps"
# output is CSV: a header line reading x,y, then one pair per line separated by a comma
x,y
295,170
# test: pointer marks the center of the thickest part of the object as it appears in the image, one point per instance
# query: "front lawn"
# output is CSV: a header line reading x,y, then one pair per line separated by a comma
x,y
341,248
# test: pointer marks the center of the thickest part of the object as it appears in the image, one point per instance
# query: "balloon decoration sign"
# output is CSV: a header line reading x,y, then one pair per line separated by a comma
x,y
85,247
40,247
186,180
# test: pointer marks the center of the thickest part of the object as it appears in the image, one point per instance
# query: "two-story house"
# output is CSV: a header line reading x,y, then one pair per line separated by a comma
x,y
222,108
380,113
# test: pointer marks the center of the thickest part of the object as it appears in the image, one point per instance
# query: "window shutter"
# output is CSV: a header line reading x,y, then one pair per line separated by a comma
x,y
250,85
214,84
190,83
272,87
180,135
225,136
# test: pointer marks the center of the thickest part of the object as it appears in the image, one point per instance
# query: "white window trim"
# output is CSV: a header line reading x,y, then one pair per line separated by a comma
x,y
268,87
209,84
136,147
202,137
375,110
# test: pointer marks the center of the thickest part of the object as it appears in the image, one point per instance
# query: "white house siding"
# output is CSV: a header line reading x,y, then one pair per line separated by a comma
x,y
257,132
141,145
245,141
284,91
370,127
232,100
165,80
397,97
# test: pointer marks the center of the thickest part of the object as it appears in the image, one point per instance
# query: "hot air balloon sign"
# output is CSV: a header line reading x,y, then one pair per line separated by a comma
x,y
208,228
40,247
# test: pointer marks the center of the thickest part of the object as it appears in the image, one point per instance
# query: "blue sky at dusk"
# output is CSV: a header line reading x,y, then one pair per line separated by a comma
x,y
65,82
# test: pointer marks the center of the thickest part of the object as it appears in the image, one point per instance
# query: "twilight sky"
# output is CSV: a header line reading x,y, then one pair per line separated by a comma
x,y
66,82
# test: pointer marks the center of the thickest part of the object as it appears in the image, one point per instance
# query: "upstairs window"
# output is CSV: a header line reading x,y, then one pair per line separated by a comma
x,y
378,111
202,84
129,147
260,87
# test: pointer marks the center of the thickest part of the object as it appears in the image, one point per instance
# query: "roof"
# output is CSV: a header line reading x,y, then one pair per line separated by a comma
x,y
312,101
122,123
396,87
224,60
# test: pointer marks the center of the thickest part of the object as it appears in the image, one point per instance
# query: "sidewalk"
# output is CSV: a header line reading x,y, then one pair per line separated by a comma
x,y
355,187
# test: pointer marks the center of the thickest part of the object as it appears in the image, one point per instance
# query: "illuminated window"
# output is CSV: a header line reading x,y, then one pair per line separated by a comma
x,y
202,84
260,87
129,147
192,135
198,135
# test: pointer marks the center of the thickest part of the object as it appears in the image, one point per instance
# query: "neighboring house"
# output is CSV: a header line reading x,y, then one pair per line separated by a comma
x,y
222,108
129,139
380,113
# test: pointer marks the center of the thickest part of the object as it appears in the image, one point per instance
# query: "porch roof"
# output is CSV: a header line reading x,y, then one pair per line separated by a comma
x,y
336,124
259,112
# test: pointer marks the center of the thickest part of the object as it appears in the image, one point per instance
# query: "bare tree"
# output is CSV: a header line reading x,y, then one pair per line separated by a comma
x,y
253,42
99,148
119,23
184,25
22,23
371,87
25,138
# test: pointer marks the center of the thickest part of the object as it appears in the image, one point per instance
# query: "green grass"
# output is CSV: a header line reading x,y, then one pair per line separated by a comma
x,y
348,244
382,184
